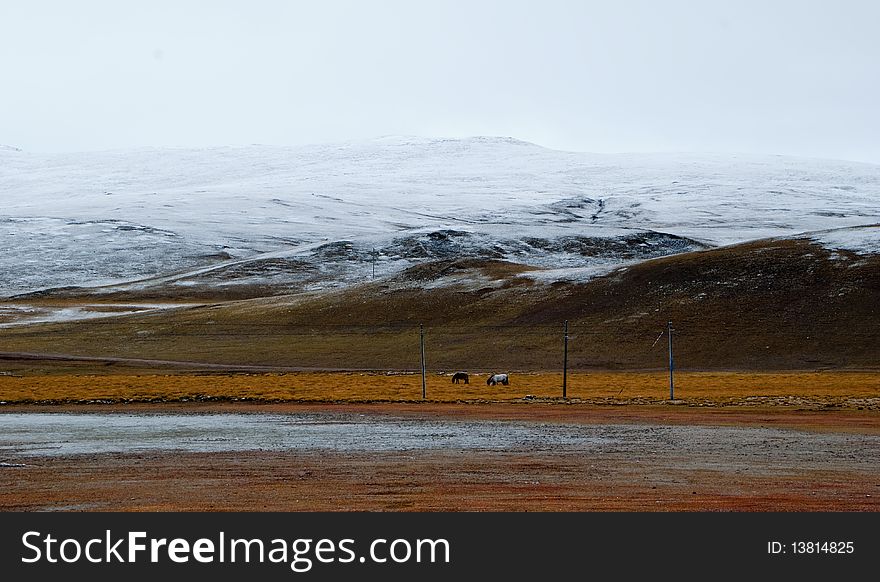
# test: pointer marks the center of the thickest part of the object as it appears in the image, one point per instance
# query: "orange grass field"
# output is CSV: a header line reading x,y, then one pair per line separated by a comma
x,y
857,390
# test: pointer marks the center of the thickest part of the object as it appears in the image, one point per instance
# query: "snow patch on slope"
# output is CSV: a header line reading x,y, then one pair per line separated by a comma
x,y
861,240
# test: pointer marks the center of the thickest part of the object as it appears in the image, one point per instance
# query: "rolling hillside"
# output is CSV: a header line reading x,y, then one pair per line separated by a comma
x,y
332,256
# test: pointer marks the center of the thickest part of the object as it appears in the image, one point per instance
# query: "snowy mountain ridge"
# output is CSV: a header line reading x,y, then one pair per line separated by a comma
x,y
333,212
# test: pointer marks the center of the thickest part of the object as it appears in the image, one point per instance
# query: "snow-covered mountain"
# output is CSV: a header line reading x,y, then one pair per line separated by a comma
x,y
330,214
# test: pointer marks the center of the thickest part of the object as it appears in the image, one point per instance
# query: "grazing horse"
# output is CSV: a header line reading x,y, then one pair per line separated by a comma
x,y
497,379
460,376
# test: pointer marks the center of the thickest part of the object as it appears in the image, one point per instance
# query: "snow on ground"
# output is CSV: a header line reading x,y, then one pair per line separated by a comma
x,y
863,240
576,274
12,314
106,217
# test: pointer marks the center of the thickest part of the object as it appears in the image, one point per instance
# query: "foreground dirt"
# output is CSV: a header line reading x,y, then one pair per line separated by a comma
x,y
684,478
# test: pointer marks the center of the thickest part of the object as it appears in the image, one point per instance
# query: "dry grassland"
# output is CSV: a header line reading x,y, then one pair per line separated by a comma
x,y
853,390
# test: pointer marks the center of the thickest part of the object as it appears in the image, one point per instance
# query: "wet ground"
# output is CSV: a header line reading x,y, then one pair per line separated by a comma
x,y
68,433
58,434
437,458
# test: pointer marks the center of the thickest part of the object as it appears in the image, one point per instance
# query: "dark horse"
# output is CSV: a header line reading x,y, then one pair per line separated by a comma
x,y
497,379
459,376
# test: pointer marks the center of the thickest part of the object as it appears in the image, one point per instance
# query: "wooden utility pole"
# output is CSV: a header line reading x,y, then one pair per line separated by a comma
x,y
422,351
671,362
565,359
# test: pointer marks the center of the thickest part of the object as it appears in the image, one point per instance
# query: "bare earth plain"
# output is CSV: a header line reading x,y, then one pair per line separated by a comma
x,y
792,441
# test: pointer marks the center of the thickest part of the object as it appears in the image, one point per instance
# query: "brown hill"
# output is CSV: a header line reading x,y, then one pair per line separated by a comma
x,y
772,304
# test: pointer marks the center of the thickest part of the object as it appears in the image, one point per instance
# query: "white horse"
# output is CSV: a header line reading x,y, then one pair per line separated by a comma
x,y
497,379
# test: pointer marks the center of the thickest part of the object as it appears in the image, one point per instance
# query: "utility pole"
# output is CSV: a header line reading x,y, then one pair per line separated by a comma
x,y
565,359
422,351
671,362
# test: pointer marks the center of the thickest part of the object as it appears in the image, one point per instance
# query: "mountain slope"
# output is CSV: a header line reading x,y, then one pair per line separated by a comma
x,y
771,304
329,215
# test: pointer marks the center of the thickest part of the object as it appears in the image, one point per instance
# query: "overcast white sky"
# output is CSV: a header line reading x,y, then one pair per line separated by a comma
x,y
789,77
